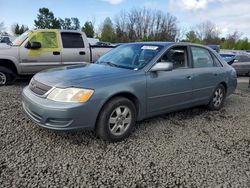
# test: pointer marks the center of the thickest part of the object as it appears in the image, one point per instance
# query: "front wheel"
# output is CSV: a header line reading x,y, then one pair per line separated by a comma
x,y
116,120
6,76
218,98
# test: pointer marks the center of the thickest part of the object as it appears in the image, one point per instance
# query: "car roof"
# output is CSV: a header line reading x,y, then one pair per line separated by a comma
x,y
227,54
168,43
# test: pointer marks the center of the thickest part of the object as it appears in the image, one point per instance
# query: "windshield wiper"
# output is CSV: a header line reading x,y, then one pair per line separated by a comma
x,y
115,65
110,64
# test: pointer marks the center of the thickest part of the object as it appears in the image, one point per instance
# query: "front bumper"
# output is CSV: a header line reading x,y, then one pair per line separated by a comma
x,y
58,115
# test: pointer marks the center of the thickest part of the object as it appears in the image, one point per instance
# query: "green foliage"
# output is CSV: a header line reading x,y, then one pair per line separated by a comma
x,y
139,25
88,28
75,24
242,44
69,23
46,20
18,30
108,32
192,37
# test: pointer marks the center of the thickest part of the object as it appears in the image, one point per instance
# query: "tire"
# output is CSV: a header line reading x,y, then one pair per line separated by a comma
x,y
6,76
116,120
217,100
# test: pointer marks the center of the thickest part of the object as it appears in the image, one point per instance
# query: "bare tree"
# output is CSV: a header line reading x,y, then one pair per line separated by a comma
x,y
208,32
145,24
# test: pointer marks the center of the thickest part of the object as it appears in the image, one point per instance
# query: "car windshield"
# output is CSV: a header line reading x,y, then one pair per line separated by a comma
x,y
19,40
130,56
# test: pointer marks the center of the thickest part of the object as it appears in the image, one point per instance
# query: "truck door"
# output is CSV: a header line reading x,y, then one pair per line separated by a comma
x,y
48,56
74,50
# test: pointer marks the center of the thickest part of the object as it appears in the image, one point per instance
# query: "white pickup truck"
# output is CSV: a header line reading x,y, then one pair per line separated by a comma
x,y
42,49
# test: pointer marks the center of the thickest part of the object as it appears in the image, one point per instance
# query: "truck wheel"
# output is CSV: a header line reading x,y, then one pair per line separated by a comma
x,y
218,98
116,120
6,76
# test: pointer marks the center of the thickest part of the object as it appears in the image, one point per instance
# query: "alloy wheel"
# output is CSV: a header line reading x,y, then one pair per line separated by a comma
x,y
218,97
3,78
120,120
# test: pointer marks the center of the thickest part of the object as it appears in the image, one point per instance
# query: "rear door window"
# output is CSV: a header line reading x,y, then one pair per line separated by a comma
x,y
201,57
72,40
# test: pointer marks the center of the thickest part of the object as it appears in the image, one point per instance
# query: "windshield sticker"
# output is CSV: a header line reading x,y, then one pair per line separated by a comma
x,y
149,47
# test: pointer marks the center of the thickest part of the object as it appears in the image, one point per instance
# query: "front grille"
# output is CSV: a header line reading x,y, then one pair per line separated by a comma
x,y
38,88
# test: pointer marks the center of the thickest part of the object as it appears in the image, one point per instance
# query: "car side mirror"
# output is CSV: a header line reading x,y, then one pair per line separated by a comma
x,y
33,45
162,66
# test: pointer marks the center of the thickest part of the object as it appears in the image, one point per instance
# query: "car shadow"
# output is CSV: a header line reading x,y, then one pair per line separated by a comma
x,y
87,138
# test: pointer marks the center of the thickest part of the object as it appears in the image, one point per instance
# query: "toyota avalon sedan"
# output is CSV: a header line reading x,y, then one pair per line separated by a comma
x,y
128,84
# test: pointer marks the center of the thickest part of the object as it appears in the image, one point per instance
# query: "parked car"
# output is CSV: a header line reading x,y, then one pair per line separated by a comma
x,y
214,47
100,43
228,57
37,50
5,40
242,64
128,84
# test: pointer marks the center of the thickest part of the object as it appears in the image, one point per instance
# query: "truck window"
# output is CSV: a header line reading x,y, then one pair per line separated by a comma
x,y
72,40
47,39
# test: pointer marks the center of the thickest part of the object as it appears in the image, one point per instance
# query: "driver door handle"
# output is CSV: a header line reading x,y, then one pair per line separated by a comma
x,y
56,53
82,53
189,77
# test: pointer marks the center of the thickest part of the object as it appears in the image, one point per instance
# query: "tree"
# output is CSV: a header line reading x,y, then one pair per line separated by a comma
x,y
69,23
18,30
242,44
121,22
192,37
46,20
107,31
88,28
145,25
66,23
230,41
208,33
75,24
2,28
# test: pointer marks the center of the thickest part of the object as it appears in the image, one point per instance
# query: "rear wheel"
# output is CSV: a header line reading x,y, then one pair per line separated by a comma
x,y
116,120
218,98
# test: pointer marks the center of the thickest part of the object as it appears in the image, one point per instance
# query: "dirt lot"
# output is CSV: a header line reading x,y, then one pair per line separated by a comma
x,y
191,148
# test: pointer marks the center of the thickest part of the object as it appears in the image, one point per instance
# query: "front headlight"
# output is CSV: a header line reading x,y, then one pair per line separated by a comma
x,y
70,95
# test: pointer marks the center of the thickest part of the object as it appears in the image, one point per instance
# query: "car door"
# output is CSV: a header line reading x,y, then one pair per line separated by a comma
x,y
74,50
242,64
170,90
48,56
207,73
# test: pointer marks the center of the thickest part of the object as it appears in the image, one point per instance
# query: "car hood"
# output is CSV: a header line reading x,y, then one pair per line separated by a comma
x,y
72,75
4,46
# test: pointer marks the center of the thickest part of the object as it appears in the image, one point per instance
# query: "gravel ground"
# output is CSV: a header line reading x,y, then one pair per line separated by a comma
x,y
191,148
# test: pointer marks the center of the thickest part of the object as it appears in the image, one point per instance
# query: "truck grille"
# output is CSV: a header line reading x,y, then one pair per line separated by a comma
x,y
38,88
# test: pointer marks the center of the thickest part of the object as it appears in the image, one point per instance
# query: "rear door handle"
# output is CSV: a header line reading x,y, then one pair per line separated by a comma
x,y
215,74
189,77
56,53
82,53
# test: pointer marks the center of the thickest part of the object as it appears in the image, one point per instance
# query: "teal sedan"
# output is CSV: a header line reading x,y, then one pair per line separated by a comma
x,y
128,84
